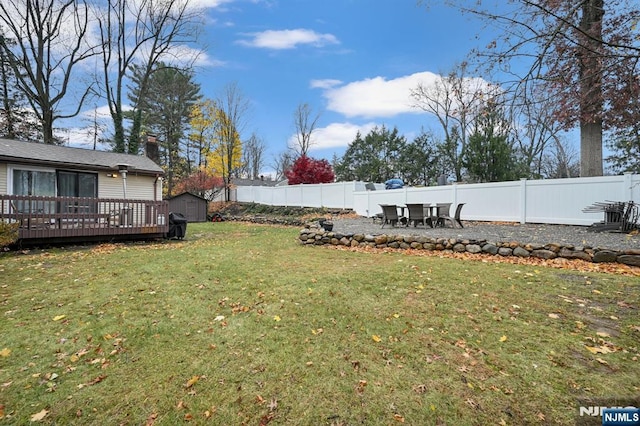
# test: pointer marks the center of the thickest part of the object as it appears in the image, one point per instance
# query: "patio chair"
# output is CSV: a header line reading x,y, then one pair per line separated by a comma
x,y
443,218
416,215
389,214
440,210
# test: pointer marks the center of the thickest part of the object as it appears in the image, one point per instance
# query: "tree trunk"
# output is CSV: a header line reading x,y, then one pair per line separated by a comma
x,y
591,96
134,134
118,132
591,149
47,127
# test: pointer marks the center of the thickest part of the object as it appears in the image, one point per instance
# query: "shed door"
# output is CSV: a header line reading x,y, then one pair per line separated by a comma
x,y
192,211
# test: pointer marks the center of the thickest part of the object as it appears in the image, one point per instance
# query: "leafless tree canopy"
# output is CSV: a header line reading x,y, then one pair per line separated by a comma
x,y
50,40
253,157
304,121
141,33
580,51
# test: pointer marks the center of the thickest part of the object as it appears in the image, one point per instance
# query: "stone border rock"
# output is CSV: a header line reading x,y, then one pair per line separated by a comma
x,y
312,234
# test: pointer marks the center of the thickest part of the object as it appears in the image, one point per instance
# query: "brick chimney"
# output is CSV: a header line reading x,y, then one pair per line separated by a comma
x,y
151,148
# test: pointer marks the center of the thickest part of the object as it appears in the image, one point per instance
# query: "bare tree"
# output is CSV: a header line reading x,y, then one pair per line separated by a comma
x,y
50,40
455,100
305,123
231,120
535,128
282,163
253,156
560,161
140,33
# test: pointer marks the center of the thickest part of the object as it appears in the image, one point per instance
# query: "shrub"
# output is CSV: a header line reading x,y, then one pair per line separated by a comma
x,y
8,233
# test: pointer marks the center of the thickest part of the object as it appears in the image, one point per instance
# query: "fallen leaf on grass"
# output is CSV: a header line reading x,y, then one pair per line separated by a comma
x,y
376,338
277,318
398,418
39,416
420,389
5,352
151,419
273,404
503,339
264,420
192,381
554,316
59,317
599,350
93,382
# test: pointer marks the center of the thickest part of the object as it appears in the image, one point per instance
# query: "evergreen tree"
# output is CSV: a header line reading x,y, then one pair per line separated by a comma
x,y
375,158
16,122
166,111
626,146
490,156
420,161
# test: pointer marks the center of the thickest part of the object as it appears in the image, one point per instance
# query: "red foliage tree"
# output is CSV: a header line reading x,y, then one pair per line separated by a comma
x,y
200,183
309,170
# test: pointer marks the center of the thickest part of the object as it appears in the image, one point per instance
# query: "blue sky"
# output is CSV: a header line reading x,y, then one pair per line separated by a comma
x,y
353,61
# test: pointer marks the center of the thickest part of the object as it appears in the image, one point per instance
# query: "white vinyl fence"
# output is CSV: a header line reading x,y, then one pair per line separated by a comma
x,y
557,201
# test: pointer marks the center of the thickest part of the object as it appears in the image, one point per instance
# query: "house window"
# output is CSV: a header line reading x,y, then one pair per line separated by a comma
x,y
77,184
34,182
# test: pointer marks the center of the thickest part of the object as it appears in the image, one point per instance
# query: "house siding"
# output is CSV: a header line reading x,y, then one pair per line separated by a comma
x,y
3,179
139,187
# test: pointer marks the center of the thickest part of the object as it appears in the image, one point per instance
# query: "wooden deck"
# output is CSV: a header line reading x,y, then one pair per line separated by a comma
x,y
73,219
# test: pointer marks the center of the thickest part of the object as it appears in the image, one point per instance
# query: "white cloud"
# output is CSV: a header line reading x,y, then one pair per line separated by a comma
x,y
101,112
185,55
324,84
208,3
376,97
287,39
336,135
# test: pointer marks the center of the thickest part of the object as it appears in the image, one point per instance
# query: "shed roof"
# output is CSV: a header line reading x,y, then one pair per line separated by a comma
x,y
64,156
186,194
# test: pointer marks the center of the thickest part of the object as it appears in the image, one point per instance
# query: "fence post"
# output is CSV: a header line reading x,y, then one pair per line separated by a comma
x,y
454,195
627,190
523,200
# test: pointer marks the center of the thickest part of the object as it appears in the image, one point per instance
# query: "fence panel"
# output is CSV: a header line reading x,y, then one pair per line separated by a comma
x,y
558,201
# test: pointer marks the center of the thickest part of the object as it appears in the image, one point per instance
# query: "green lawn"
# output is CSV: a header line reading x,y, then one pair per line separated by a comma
x,y
239,324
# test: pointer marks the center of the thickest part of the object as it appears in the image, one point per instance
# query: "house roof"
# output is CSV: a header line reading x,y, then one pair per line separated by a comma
x,y
63,156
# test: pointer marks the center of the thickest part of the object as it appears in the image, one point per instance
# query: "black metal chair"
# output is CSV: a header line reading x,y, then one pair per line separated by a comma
x,y
389,214
416,215
443,218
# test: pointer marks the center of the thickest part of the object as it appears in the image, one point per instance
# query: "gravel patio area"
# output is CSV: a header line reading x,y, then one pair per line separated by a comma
x,y
578,236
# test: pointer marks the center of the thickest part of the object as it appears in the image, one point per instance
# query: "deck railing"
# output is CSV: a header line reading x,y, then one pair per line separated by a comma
x,y
80,217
